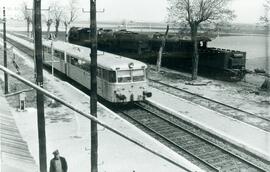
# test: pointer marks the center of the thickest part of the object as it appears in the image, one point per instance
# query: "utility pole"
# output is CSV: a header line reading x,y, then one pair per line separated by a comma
x,y
93,108
5,49
39,82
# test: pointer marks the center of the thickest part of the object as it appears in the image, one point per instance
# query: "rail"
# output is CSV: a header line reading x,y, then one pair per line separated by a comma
x,y
100,122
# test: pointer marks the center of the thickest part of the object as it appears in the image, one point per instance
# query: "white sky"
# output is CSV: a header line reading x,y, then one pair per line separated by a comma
x,y
247,11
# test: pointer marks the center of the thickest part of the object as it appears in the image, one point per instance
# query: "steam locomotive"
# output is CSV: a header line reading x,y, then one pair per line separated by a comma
x,y
177,52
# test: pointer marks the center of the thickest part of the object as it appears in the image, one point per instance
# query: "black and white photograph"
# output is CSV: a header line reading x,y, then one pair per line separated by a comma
x,y
135,85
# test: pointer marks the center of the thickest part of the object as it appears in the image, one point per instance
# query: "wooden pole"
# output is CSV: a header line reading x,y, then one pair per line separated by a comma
x,y
5,49
93,108
39,82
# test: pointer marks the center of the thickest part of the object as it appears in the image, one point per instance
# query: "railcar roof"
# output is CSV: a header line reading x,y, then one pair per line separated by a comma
x,y
104,59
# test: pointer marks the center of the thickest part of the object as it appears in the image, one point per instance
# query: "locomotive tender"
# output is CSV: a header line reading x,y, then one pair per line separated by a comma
x,y
119,79
177,52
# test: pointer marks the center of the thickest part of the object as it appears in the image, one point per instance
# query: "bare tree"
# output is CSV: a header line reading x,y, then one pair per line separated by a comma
x,y
27,15
195,12
47,19
49,23
265,19
266,22
57,14
70,16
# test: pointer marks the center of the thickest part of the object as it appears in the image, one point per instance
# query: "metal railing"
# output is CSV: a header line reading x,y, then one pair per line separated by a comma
x,y
92,118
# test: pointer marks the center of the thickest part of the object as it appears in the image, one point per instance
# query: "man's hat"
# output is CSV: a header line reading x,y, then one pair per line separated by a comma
x,y
56,152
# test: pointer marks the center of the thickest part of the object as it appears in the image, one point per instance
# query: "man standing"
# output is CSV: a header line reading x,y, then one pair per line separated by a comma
x,y
58,163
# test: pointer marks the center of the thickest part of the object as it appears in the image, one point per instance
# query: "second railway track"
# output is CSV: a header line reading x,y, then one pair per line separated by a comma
x,y
234,112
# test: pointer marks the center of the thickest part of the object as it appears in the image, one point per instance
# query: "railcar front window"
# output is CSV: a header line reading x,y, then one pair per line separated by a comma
x,y
138,75
123,76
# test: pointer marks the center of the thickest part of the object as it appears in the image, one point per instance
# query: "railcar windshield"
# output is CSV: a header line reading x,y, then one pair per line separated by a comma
x,y
124,76
138,75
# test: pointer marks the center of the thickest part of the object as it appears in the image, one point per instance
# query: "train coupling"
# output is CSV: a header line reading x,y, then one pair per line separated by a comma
x,y
147,94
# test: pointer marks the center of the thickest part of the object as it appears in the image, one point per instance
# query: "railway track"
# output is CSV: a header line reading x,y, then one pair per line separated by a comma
x,y
234,112
187,140
21,47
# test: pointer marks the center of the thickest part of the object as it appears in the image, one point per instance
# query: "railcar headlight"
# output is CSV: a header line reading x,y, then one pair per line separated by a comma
x,y
131,65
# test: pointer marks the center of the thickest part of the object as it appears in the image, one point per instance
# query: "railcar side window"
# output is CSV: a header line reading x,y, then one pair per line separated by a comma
x,y
112,76
84,65
56,53
49,50
73,61
99,72
68,58
105,74
79,63
62,55
46,49
59,54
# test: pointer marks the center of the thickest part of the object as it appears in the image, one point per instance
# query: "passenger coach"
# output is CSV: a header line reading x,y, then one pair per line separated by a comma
x,y
119,79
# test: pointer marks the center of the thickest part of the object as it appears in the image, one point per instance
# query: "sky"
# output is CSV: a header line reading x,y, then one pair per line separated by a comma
x,y
247,11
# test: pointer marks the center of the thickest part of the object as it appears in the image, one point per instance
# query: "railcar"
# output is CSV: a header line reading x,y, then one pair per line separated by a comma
x,y
119,79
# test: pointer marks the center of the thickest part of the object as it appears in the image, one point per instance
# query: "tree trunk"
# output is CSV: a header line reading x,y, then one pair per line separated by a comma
x,y
48,30
266,84
66,32
57,22
195,57
28,27
161,49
